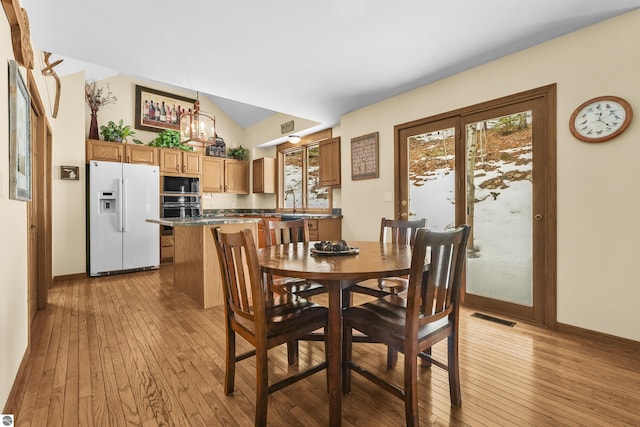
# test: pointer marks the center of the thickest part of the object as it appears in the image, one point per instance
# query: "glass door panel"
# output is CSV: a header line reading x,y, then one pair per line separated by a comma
x,y
499,155
432,165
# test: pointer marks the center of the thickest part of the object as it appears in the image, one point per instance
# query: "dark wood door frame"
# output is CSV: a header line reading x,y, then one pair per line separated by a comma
x,y
42,175
546,95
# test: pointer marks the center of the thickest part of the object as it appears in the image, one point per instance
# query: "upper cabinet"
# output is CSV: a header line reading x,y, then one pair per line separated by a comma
x,y
119,152
212,174
264,175
330,162
178,162
135,153
105,151
222,175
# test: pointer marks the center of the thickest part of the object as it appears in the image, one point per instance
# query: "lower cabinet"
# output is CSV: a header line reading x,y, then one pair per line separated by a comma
x,y
325,229
166,248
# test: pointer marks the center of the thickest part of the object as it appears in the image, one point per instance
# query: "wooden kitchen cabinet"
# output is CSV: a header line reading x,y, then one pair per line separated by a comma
x,y
222,175
264,175
236,176
104,150
212,174
329,170
325,229
118,152
140,154
178,162
166,248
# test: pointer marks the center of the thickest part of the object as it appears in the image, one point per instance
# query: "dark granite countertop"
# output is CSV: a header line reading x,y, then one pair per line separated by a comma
x,y
212,220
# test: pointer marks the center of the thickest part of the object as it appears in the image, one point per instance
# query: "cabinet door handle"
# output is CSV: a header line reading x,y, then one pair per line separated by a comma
x,y
184,168
178,168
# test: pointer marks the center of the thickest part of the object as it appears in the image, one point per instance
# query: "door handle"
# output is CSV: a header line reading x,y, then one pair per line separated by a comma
x,y
538,217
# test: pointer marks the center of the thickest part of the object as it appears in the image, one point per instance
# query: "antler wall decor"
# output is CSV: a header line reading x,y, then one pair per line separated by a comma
x,y
49,71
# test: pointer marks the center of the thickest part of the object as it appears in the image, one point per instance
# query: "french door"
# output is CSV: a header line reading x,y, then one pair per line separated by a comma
x,y
491,166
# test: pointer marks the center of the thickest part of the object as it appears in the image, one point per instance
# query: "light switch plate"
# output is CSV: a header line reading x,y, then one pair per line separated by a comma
x,y
388,197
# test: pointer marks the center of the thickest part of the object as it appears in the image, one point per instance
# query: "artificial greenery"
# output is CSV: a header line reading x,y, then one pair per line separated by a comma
x,y
239,153
117,132
170,139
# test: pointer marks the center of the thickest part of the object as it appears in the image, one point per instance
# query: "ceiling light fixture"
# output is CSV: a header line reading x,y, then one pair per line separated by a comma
x,y
198,128
294,139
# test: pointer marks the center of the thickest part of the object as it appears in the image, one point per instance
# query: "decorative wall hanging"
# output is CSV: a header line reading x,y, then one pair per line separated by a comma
x,y
364,157
49,71
70,172
20,36
19,136
157,110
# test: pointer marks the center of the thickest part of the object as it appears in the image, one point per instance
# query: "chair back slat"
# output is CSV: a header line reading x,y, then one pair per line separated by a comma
x,y
284,232
434,292
400,232
244,291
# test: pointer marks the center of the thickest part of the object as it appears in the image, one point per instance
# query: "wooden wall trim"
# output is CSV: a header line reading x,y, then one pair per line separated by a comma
x,y
65,277
17,388
600,337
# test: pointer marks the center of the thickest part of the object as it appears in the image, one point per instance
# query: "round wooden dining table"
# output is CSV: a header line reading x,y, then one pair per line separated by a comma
x,y
337,273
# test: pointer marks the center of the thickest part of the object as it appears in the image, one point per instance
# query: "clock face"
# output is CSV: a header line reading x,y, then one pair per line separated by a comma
x,y
600,119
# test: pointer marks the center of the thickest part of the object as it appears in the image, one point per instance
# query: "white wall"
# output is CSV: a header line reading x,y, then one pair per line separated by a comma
x,y
13,249
597,183
68,203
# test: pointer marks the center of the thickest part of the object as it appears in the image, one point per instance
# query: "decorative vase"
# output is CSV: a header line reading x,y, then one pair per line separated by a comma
x,y
93,128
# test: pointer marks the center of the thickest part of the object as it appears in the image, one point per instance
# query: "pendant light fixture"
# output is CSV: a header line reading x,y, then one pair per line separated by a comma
x,y
198,128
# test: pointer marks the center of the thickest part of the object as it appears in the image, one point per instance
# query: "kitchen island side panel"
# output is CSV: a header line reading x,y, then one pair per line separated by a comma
x,y
196,266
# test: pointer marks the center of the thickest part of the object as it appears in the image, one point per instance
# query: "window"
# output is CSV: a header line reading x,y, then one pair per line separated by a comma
x,y
299,180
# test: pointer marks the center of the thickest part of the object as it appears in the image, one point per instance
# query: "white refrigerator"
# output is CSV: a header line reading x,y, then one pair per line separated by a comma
x,y
120,198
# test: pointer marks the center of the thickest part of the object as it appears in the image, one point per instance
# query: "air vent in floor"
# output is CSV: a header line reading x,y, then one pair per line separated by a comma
x,y
493,319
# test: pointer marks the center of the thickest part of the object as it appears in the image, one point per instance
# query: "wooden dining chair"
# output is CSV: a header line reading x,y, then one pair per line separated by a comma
x,y
396,232
284,232
413,325
262,321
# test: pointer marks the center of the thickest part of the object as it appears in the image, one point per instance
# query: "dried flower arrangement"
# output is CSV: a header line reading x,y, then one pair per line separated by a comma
x,y
95,97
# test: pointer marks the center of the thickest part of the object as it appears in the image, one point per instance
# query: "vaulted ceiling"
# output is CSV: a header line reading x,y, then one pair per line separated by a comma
x,y
315,59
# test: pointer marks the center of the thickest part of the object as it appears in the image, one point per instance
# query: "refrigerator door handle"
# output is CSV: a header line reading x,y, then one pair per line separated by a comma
x,y
124,205
119,205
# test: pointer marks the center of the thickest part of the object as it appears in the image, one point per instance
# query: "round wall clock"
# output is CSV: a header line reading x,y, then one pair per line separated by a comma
x,y
600,119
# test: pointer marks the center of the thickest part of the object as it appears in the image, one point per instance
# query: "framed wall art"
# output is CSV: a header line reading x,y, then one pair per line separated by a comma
x,y
19,136
70,172
364,157
157,110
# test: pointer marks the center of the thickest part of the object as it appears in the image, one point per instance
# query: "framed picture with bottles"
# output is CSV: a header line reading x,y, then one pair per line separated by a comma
x,y
157,110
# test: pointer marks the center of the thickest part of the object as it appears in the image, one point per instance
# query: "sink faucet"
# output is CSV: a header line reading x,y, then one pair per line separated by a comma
x,y
290,192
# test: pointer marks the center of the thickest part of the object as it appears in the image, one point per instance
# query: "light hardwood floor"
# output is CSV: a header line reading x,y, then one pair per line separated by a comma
x,y
128,349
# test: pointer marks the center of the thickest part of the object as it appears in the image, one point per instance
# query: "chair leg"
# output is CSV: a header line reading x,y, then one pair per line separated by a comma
x,y
230,370
326,354
292,352
454,370
392,358
411,391
426,362
262,388
347,349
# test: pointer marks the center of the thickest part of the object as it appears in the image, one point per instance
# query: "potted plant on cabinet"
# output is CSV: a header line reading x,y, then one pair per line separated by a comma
x,y
238,153
117,132
170,139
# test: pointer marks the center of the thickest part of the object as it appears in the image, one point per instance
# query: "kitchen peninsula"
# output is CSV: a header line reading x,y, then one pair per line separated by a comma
x,y
196,271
